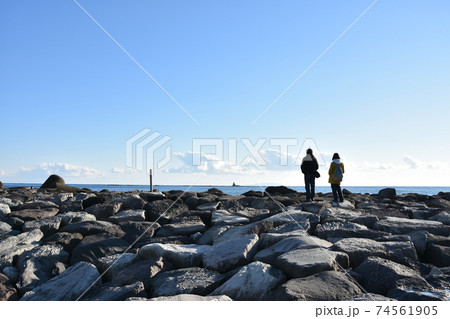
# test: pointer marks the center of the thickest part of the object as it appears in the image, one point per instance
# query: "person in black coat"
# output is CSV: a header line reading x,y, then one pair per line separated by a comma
x,y
309,169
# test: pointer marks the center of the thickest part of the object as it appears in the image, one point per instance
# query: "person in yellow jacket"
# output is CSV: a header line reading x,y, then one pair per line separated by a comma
x,y
336,173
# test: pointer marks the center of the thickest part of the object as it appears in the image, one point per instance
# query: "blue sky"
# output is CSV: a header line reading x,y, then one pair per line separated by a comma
x,y
70,97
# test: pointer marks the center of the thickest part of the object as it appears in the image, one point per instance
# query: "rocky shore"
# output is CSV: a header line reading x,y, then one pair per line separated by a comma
x,y
63,243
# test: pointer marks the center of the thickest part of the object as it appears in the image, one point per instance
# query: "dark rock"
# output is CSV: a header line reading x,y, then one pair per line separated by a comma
x,y
370,297
437,255
151,196
48,225
387,193
345,230
57,269
181,256
210,206
254,194
57,182
34,214
75,217
71,205
7,290
439,203
142,271
415,289
37,204
279,190
110,265
252,282
230,254
105,210
69,285
326,286
96,246
163,211
87,228
306,262
198,281
91,201
141,232
405,226
215,191
381,275
36,265
15,222
67,240
182,226
223,217
114,292
207,238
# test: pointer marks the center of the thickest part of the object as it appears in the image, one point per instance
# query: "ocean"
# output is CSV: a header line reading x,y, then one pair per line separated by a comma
x,y
237,190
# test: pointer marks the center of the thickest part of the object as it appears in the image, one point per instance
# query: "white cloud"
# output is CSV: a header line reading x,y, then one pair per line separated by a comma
x,y
123,171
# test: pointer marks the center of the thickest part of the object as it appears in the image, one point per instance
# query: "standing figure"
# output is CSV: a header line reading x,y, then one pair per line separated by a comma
x,y
336,173
309,169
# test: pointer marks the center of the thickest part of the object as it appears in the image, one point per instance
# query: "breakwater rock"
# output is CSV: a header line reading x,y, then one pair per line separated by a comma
x,y
60,243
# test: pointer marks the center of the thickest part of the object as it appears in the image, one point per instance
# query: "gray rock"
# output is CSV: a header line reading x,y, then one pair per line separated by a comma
x,y
230,254
397,225
346,230
236,232
438,255
142,271
182,226
293,214
387,193
48,225
358,249
67,240
35,266
104,210
38,204
14,246
210,234
4,211
5,230
194,280
69,285
12,273
222,217
151,196
315,207
269,255
34,214
181,256
137,215
114,292
163,211
130,202
370,297
443,217
209,206
306,262
252,282
109,266
269,239
97,246
379,275
87,228
335,214
345,204
71,205
325,286
75,217
189,297
253,214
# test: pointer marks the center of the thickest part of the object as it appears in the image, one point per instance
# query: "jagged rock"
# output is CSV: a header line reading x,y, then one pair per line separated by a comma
x,y
114,292
305,262
142,271
75,217
5,230
379,275
7,290
194,280
236,232
48,225
104,210
207,238
438,255
137,215
230,254
222,217
358,249
4,211
315,207
325,286
443,217
12,273
96,246
439,203
396,225
69,285
67,240
71,205
335,214
181,256
182,226
189,297
387,193
269,255
293,214
14,246
151,196
37,204
141,232
338,230
269,239
252,282
110,265
131,202
34,214
163,211
262,203
209,206
91,227
253,214
35,266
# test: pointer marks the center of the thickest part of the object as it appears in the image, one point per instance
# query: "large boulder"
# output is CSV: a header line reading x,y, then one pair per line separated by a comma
x,y
252,282
75,217
279,190
142,270
438,255
138,233
114,292
69,285
230,254
223,217
236,232
325,286
5,210
269,255
293,214
397,225
92,227
14,246
182,226
163,211
337,230
306,262
194,280
67,240
109,266
104,210
97,246
36,266
387,193
34,214
58,183
130,215
48,225
181,256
